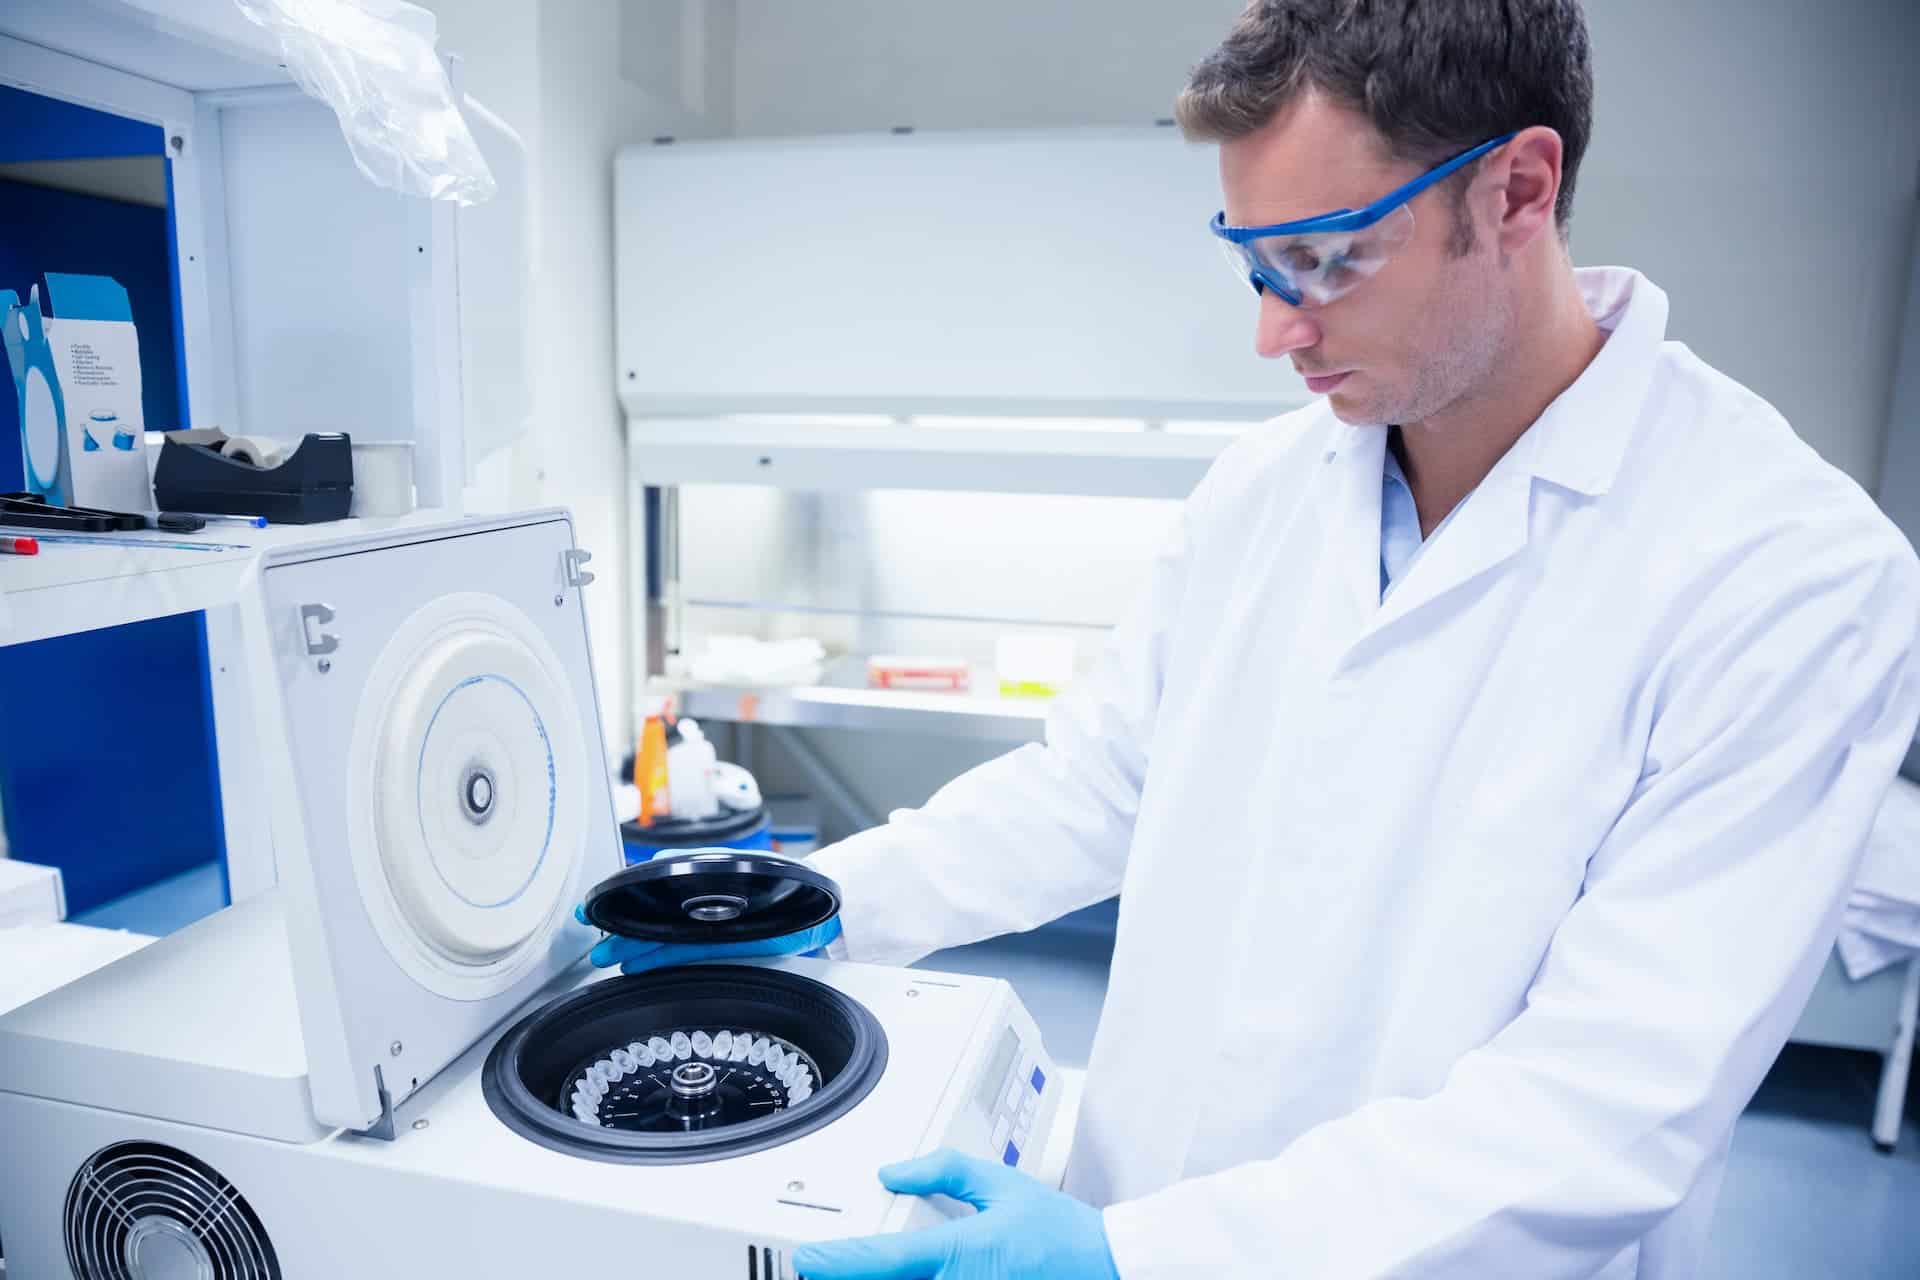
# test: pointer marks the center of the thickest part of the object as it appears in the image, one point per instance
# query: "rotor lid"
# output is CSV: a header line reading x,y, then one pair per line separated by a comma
x,y
713,895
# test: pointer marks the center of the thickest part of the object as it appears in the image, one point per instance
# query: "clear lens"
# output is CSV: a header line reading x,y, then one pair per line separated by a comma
x,y
1239,261
1323,266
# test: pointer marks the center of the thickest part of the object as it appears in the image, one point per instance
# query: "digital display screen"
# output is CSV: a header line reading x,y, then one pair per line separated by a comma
x,y
996,1073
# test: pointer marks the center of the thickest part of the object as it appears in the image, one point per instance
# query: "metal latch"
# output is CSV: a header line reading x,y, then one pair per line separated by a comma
x,y
312,617
570,561
381,1128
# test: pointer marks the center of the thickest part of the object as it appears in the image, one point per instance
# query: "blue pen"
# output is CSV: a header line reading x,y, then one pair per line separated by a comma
x,y
251,522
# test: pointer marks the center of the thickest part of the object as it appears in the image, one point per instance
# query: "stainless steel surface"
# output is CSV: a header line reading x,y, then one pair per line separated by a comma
x,y
896,615
842,700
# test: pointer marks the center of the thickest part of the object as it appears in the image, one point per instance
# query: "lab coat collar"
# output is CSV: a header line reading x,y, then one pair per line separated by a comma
x,y
1581,438
1578,443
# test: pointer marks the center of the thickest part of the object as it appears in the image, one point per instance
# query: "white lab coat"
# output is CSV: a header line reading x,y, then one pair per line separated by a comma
x,y
1456,931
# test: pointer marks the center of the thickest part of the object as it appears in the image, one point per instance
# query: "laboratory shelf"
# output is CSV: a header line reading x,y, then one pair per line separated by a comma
x,y
165,906
842,700
830,456
80,582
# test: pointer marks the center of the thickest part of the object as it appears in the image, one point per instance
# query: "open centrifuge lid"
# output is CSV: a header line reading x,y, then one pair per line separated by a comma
x,y
713,895
429,737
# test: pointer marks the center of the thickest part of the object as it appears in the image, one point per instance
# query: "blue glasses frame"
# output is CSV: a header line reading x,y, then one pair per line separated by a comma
x,y
1345,220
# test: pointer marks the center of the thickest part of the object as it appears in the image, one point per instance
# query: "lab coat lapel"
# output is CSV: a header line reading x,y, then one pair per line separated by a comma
x,y
1346,592
1489,529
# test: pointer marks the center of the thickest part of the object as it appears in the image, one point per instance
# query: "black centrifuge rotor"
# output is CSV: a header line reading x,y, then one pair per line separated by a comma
x,y
649,1068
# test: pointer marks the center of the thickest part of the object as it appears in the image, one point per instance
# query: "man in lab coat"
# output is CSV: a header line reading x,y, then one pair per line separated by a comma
x,y
1485,766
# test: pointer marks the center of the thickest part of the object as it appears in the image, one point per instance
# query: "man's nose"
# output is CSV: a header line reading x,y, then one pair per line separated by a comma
x,y
1282,328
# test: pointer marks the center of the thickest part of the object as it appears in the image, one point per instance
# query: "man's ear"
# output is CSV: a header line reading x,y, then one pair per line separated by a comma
x,y
1526,170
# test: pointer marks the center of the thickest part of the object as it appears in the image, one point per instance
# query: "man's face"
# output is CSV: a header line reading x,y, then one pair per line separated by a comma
x,y
1417,336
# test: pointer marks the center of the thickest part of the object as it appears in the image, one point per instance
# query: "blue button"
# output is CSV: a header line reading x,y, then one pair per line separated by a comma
x,y
1012,1155
1039,1080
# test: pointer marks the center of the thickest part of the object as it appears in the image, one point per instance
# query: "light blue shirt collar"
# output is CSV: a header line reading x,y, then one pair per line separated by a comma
x,y
1400,539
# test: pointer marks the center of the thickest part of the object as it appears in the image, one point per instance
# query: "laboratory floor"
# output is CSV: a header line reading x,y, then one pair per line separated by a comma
x,y
1806,1197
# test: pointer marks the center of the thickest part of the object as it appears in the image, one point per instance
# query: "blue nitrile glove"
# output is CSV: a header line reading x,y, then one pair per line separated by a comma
x,y
634,956
1024,1231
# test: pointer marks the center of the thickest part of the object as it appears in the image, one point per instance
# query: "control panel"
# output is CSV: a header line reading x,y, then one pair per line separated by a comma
x,y
1009,1092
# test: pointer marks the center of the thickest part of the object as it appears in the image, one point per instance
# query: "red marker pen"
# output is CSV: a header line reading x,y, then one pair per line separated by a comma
x,y
19,546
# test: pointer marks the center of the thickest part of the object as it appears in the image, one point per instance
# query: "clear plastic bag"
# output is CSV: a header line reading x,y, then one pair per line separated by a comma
x,y
373,62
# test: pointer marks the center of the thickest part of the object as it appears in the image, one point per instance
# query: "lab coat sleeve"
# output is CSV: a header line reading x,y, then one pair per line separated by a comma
x,y
1705,918
1036,833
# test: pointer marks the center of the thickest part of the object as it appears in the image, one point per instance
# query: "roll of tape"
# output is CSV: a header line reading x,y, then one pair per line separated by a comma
x,y
382,478
261,451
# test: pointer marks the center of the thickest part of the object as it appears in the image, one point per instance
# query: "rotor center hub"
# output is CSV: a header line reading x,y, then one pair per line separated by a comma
x,y
694,1080
716,908
478,790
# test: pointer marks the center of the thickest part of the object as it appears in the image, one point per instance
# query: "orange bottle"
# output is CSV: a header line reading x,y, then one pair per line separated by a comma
x,y
650,772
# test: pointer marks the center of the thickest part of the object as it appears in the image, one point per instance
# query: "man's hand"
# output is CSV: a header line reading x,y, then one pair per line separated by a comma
x,y
1024,1231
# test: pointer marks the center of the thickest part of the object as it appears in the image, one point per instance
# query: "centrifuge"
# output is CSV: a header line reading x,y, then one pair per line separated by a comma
x,y
695,1062
398,1062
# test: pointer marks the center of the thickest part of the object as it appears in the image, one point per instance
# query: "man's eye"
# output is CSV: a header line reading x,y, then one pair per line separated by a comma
x,y
1297,257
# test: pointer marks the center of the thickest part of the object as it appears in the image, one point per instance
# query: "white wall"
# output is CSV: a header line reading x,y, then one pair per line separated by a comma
x,y
1757,158
314,297
575,79
1900,477
1760,159
829,66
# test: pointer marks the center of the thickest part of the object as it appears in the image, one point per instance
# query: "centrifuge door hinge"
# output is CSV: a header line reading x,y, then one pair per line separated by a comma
x,y
383,1127
312,618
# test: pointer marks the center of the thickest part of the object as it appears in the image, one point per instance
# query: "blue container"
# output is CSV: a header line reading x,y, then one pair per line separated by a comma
x,y
749,830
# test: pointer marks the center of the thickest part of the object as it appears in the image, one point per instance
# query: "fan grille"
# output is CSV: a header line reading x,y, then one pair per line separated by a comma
x,y
145,1211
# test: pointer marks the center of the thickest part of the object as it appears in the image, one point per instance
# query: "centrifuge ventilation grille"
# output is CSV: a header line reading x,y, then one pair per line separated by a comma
x,y
144,1211
767,1264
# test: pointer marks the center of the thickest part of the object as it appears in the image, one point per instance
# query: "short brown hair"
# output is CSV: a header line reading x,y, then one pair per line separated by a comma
x,y
1435,77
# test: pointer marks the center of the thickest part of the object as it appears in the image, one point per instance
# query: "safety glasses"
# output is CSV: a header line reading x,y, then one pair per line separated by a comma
x,y
1312,261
